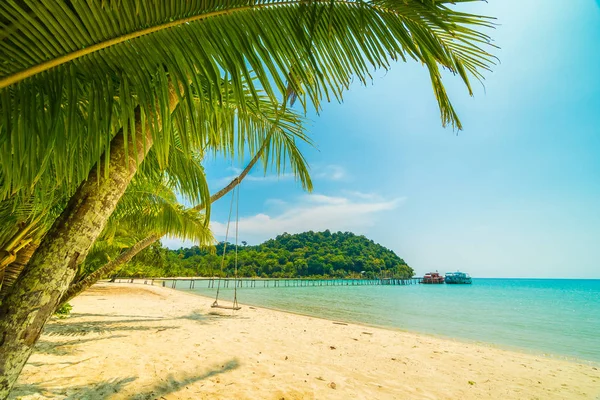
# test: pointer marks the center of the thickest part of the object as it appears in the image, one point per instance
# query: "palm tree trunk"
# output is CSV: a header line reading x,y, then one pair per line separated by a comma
x,y
13,270
34,297
92,278
36,294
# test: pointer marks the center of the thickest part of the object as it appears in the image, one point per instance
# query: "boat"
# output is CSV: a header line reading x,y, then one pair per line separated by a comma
x,y
432,278
458,278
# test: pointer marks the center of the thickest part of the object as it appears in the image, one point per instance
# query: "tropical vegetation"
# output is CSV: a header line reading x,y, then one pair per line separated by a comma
x,y
303,255
94,93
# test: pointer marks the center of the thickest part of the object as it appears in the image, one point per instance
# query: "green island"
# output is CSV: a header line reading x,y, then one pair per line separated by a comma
x,y
303,255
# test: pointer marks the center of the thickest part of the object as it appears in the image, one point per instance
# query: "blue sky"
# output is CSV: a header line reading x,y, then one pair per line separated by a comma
x,y
515,194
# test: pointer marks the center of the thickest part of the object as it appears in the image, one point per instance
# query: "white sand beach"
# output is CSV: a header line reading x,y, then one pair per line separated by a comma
x,y
132,341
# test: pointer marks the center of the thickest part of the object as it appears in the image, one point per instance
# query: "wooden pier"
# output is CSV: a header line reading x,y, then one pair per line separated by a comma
x,y
191,283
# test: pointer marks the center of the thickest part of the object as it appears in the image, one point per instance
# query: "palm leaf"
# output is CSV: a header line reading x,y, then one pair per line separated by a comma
x,y
229,128
152,207
73,71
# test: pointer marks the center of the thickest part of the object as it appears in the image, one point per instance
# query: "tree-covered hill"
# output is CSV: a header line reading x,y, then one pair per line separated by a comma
x,y
308,254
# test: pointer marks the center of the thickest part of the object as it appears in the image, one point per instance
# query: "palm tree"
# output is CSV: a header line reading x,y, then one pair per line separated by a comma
x,y
104,82
28,217
278,148
276,134
27,220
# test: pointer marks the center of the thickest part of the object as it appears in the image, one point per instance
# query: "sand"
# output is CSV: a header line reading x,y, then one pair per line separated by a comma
x,y
132,341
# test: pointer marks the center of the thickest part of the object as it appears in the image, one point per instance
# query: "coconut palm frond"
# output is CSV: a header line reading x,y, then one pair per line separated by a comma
x,y
26,220
147,208
151,207
75,72
262,124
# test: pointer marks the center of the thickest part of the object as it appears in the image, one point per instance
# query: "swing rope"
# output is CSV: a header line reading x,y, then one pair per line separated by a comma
x,y
237,215
237,225
235,303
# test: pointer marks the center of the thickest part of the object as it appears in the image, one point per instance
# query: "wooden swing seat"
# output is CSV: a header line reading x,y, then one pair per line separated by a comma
x,y
217,305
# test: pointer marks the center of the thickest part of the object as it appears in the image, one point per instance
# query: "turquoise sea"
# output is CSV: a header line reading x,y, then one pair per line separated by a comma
x,y
557,317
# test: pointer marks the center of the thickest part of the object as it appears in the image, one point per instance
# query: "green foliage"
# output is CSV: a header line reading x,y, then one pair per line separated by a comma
x,y
307,255
69,82
63,311
260,123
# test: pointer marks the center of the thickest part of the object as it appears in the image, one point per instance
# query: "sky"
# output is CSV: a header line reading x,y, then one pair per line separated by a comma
x,y
515,194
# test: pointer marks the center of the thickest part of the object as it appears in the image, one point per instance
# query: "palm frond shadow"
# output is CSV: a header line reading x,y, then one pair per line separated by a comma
x,y
97,391
108,388
74,315
100,327
222,314
66,364
63,348
173,383
82,328
205,318
196,315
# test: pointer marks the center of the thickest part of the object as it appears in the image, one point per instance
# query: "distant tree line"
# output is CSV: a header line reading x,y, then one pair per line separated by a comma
x,y
304,255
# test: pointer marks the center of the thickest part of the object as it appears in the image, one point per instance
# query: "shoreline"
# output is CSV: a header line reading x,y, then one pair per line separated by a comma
x,y
497,346
132,341
464,340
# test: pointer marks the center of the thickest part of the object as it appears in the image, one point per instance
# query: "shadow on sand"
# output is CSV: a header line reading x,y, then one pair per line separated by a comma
x,y
64,348
142,317
62,389
76,329
71,328
173,383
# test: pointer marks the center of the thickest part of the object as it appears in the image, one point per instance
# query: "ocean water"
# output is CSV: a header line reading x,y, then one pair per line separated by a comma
x,y
556,317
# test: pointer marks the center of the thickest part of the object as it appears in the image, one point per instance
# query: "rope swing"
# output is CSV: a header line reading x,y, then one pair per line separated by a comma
x,y
234,195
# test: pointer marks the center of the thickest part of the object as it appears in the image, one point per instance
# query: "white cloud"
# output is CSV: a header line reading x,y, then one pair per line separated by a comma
x,y
275,202
312,212
330,172
322,199
175,243
364,196
256,178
